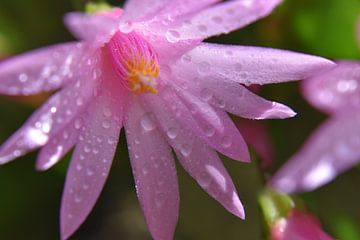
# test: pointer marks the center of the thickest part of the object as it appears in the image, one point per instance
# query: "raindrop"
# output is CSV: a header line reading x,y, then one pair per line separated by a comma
x,y
126,27
159,199
172,133
185,150
107,112
202,28
77,124
89,172
23,77
204,179
203,68
147,122
217,19
205,94
226,142
209,131
79,101
87,149
172,36
106,124
79,167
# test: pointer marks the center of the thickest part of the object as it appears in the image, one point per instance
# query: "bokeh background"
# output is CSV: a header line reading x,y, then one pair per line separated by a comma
x,y
30,200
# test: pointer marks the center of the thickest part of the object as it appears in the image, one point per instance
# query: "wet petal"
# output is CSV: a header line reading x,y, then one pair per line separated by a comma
x,y
231,97
213,126
96,29
337,90
202,163
222,18
41,70
251,65
58,146
136,10
154,172
256,135
54,115
330,150
92,158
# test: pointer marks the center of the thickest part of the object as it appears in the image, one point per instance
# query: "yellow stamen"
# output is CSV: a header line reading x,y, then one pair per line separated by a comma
x,y
142,75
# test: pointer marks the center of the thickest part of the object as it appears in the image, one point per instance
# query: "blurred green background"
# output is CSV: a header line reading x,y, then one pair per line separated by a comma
x,y
30,200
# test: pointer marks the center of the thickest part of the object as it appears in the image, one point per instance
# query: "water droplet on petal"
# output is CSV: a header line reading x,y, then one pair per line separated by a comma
x,y
185,150
172,36
209,131
226,142
204,179
205,94
172,133
148,122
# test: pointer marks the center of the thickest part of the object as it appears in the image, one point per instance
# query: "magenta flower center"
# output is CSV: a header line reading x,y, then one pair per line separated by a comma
x,y
135,62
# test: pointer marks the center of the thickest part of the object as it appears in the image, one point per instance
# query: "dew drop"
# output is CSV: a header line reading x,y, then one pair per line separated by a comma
x,y
89,172
172,133
204,179
126,27
202,28
205,94
217,19
226,142
203,68
23,77
209,131
107,112
79,101
106,124
185,150
77,124
159,199
172,36
147,122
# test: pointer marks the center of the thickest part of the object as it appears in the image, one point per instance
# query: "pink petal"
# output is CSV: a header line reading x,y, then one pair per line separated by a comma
x,y
154,172
301,226
202,163
213,126
97,29
222,18
41,70
256,135
177,8
330,150
58,146
136,10
231,97
54,115
337,90
91,161
251,65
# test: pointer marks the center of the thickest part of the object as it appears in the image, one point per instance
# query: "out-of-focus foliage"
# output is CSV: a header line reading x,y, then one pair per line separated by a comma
x,y
29,200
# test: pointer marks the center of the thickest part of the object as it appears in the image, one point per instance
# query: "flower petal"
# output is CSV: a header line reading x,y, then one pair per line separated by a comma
x,y
41,70
231,97
251,65
58,146
202,163
97,29
222,18
154,172
54,115
92,158
213,126
256,135
332,149
136,10
337,90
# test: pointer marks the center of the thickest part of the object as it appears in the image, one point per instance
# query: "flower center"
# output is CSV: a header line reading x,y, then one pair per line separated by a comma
x,y
135,61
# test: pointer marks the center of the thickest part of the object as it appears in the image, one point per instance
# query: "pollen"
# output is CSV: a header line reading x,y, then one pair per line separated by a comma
x,y
135,62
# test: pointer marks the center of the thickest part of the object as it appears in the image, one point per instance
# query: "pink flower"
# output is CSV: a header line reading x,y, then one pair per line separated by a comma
x,y
334,147
146,69
298,226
